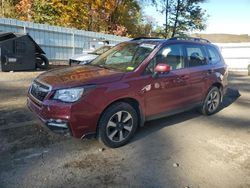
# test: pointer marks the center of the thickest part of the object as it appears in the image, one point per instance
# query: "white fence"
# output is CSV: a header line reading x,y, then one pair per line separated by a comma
x,y
59,43
236,55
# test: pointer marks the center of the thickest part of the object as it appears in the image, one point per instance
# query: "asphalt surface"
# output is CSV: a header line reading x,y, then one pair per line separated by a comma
x,y
184,150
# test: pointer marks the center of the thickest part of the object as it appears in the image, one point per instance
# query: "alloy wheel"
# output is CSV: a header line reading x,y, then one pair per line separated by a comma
x,y
119,126
213,101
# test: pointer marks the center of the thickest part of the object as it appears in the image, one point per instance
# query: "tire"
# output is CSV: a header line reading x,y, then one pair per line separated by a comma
x,y
41,61
212,102
117,125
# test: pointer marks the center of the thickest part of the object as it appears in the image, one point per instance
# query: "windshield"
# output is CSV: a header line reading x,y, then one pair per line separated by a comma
x,y
124,57
100,50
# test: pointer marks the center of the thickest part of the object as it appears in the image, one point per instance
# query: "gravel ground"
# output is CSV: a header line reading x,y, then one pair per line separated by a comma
x,y
185,150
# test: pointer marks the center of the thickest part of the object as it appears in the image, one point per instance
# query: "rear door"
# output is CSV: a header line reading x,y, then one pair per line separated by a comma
x,y
199,69
168,91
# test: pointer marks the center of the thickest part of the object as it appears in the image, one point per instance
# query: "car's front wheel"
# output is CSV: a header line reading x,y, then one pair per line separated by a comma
x,y
117,124
212,101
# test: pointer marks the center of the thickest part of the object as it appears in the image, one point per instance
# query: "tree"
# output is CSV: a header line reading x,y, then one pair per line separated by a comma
x,y
119,17
24,10
7,8
125,13
182,16
146,27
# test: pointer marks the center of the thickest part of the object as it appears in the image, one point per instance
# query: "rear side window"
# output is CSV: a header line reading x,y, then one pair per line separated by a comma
x,y
195,55
213,55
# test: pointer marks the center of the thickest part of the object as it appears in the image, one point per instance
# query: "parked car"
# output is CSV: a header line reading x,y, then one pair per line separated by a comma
x,y
134,82
82,59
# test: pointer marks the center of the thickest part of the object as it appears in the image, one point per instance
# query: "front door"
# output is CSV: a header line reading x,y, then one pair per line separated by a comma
x,y
169,91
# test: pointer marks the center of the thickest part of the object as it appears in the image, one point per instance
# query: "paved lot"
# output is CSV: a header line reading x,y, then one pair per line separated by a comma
x,y
187,149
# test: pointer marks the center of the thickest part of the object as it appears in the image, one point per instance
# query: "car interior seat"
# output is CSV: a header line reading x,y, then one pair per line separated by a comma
x,y
174,59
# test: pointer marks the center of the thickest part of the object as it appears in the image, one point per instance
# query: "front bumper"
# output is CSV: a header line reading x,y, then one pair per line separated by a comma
x,y
65,118
56,125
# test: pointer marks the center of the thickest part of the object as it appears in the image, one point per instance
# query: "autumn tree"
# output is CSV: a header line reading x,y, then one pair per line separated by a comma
x,y
119,17
58,12
24,10
7,8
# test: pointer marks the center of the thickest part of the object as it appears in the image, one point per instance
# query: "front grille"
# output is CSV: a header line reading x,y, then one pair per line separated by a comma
x,y
39,90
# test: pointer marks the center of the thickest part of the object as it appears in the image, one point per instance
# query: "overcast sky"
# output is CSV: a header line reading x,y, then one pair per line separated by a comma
x,y
225,16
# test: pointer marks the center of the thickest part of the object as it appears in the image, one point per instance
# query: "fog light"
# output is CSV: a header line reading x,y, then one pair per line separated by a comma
x,y
57,123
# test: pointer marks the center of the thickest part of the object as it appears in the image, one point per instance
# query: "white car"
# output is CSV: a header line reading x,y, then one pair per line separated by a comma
x,y
82,59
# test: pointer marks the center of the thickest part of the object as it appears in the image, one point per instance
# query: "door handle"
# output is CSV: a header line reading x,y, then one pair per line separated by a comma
x,y
184,77
181,79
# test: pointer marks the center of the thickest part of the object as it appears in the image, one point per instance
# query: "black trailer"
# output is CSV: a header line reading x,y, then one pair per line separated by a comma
x,y
20,52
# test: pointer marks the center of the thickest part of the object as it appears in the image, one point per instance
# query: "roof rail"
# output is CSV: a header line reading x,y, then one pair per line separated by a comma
x,y
190,38
141,38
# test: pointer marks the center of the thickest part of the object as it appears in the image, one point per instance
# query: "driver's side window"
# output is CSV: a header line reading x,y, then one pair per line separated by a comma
x,y
171,55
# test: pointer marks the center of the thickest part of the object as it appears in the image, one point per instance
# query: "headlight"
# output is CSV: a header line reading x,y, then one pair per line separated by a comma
x,y
69,95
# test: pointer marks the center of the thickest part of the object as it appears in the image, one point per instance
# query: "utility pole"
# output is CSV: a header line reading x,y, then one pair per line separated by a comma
x,y
166,26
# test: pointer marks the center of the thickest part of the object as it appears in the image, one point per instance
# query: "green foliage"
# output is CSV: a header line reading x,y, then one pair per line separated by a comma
x,y
182,16
44,12
7,8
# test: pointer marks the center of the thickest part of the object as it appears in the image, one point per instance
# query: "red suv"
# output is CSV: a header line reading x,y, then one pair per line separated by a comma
x,y
134,82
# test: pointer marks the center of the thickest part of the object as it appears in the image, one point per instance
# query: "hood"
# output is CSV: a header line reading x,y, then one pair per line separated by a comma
x,y
78,76
84,57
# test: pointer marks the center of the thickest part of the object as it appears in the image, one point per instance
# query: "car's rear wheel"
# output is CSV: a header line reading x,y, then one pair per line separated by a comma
x,y
41,61
212,101
117,124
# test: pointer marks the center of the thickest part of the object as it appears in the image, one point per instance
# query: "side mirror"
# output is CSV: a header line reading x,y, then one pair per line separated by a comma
x,y
161,69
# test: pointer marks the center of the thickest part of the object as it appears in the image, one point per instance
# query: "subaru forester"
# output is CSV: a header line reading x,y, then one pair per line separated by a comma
x,y
133,82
